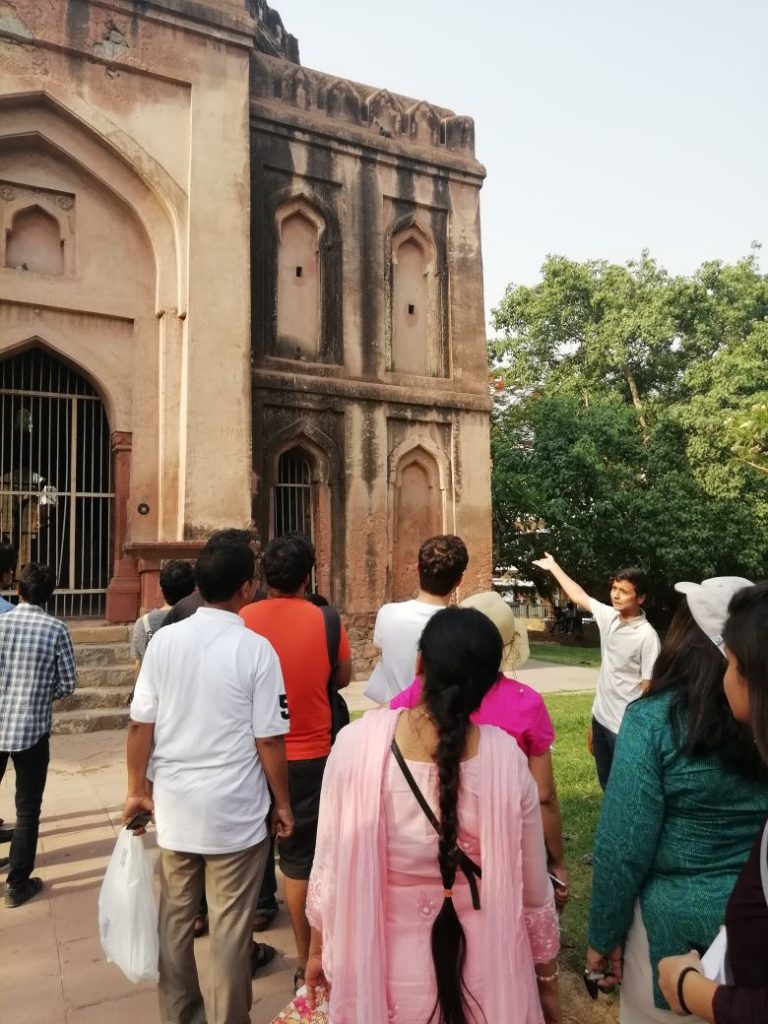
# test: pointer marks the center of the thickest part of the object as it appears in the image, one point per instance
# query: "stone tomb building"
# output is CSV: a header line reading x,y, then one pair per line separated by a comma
x,y
232,290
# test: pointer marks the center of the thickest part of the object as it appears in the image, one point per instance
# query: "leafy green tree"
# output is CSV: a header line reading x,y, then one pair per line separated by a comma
x,y
630,423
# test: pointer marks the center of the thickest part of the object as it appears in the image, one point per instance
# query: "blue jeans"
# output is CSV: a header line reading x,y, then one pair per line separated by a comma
x,y
603,745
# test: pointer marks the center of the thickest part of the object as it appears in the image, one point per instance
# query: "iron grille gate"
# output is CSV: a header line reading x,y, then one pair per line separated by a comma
x,y
293,494
293,497
56,497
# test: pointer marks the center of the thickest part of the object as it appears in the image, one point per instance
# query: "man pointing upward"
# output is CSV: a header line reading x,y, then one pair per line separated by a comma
x,y
628,648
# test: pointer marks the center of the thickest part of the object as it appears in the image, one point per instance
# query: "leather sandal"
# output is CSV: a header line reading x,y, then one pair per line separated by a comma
x,y
261,955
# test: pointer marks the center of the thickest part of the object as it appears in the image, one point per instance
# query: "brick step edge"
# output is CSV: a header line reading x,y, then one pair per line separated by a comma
x,y
108,676
103,654
93,698
73,722
100,634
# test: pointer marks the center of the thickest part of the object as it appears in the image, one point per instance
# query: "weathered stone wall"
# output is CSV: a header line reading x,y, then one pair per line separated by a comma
x,y
185,135
140,113
370,168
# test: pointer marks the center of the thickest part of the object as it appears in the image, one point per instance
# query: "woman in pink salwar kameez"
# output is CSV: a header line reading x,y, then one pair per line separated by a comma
x,y
399,936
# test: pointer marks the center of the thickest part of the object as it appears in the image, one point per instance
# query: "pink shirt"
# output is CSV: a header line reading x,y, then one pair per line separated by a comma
x,y
511,705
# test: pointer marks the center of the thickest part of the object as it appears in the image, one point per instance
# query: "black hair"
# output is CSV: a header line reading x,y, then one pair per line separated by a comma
x,y
177,580
8,558
244,537
442,561
744,636
461,653
36,582
287,562
221,570
318,600
632,575
692,667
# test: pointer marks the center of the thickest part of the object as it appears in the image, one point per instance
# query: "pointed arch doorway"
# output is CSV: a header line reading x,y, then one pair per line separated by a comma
x,y
56,488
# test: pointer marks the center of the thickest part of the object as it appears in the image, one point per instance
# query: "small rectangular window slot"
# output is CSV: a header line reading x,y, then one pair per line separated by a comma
x,y
411,309
299,271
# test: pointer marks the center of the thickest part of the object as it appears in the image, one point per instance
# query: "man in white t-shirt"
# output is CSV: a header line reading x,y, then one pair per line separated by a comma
x,y
210,698
398,629
628,648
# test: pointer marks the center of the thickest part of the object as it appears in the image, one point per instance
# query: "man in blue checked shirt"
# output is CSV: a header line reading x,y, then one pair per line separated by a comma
x,y
37,667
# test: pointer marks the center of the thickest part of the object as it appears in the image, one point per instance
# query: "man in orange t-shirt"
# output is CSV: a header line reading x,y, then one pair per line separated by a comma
x,y
296,629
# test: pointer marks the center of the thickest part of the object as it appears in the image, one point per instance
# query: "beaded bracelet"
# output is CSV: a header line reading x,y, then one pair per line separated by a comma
x,y
549,977
680,981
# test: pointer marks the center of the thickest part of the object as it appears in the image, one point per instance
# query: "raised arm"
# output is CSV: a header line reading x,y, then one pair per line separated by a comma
x,y
573,590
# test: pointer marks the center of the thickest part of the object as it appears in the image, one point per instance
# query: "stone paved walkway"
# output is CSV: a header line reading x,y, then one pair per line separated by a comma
x,y
52,970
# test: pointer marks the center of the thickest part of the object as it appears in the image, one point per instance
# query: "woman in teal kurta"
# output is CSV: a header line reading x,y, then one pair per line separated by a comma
x,y
686,795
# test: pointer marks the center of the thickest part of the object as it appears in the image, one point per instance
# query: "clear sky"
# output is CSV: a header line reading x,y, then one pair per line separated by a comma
x,y
606,126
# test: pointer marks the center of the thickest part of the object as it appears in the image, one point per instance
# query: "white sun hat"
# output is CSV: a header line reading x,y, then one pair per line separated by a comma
x,y
514,636
709,602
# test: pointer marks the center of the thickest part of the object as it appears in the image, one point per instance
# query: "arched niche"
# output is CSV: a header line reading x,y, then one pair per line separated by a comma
x,y
414,301
343,102
299,88
385,112
70,129
424,124
417,500
299,231
34,241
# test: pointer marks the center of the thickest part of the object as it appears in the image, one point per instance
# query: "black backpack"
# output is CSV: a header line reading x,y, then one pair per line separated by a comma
x,y
339,709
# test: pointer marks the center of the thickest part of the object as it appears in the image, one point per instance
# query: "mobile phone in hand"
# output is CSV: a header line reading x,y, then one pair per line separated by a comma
x,y
140,820
558,884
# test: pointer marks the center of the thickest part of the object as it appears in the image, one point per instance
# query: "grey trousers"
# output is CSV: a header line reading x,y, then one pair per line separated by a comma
x,y
232,882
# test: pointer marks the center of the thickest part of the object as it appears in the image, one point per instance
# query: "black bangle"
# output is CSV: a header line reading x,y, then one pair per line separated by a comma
x,y
680,981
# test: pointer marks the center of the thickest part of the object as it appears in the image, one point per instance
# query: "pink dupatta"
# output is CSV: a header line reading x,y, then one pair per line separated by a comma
x,y
347,889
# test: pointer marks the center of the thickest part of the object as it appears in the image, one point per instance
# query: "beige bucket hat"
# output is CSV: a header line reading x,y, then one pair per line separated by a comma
x,y
513,634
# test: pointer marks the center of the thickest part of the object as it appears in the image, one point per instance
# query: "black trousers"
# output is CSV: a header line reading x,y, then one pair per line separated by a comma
x,y
603,744
31,772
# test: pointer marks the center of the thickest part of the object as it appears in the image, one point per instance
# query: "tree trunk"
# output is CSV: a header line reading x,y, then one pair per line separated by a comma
x,y
636,400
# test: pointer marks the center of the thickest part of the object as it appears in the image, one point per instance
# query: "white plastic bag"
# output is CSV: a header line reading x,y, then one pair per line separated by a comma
x,y
127,910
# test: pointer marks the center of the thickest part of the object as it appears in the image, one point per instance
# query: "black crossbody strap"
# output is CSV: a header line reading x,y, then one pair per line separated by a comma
x,y
468,868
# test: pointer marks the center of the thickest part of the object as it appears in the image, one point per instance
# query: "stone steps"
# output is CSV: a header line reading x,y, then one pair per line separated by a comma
x,y
103,654
93,720
105,676
86,698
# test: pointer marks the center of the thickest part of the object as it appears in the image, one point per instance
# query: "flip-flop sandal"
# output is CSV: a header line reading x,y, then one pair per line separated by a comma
x,y
261,955
201,926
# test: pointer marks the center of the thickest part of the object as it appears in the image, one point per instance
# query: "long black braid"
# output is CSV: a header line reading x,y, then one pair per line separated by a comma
x,y
461,652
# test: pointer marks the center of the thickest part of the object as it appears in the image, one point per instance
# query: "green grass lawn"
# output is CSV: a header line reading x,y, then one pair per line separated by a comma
x,y
579,795
567,655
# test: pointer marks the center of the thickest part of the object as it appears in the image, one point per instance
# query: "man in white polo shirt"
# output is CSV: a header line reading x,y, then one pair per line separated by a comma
x,y
628,648
210,714
399,625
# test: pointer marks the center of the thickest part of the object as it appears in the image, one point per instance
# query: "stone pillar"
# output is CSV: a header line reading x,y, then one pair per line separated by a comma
x,y
321,498
123,589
